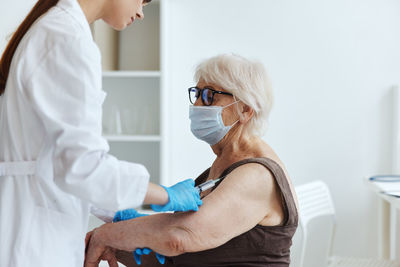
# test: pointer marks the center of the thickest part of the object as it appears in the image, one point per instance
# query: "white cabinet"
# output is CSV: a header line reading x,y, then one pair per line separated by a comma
x,y
132,111
131,118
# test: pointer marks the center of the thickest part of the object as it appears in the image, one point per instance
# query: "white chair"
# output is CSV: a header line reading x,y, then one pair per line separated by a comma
x,y
313,240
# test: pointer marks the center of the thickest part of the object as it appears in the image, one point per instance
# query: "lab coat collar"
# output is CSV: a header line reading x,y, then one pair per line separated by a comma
x,y
73,8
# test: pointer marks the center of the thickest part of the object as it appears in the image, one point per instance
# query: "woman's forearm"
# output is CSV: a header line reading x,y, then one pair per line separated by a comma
x,y
168,234
156,194
159,233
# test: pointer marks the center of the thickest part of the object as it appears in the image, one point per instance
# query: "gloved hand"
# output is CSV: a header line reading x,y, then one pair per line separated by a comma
x,y
146,251
123,215
182,196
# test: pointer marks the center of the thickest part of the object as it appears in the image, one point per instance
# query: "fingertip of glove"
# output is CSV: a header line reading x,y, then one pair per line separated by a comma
x,y
146,251
160,258
117,216
137,258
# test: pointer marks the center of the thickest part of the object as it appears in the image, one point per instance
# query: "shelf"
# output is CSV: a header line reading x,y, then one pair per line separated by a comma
x,y
133,138
131,74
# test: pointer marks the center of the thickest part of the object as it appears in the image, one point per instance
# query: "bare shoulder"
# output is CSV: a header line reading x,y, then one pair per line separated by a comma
x,y
253,182
250,175
257,186
246,197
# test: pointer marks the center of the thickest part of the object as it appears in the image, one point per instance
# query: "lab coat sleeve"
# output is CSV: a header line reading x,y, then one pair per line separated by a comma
x,y
104,215
65,91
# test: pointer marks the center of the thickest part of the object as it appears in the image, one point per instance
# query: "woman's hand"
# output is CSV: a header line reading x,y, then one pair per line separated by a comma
x,y
96,251
129,214
87,238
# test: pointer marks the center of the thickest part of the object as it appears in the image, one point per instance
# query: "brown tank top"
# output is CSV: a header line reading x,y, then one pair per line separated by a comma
x,y
261,245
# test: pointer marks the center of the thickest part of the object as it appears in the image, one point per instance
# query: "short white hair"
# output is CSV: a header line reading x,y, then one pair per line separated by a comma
x,y
247,80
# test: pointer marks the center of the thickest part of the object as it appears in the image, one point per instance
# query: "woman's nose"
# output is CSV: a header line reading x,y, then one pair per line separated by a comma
x,y
140,14
198,102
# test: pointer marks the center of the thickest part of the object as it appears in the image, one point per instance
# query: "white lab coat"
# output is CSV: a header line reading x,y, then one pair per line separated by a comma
x,y
54,161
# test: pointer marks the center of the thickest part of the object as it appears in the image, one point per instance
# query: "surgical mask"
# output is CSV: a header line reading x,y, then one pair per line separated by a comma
x,y
206,123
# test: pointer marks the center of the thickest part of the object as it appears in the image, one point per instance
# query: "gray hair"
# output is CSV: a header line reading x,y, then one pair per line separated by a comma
x,y
247,80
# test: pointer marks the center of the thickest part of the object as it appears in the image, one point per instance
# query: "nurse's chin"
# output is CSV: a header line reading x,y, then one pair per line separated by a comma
x,y
118,27
122,27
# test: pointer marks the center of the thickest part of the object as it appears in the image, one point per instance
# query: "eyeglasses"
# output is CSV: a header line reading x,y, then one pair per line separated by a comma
x,y
207,95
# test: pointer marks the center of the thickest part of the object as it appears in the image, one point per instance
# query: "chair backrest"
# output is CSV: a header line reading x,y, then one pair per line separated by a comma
x,y
317,224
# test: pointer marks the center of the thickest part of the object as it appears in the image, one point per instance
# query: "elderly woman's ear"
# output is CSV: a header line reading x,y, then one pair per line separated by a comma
x,y
246,113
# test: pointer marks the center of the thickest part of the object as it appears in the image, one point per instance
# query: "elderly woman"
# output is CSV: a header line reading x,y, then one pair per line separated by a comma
x,y
250,217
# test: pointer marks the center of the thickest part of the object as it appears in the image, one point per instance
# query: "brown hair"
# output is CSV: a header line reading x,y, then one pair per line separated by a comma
x,y
41,7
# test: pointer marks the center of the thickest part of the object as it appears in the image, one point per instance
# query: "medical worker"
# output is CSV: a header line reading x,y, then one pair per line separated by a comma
x,y
54,162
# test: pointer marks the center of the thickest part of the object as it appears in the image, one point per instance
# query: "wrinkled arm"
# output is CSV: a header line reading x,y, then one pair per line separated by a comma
x,y
237,205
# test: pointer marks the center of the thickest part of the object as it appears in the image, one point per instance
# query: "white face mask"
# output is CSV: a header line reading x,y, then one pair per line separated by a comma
x,y
206,123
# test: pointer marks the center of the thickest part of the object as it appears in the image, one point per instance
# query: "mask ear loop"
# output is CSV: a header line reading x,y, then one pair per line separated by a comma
x,y
236,101
237,110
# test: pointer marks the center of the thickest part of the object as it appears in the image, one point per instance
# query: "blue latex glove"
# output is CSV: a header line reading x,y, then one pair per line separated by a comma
x,y
182,196
146,251
123,215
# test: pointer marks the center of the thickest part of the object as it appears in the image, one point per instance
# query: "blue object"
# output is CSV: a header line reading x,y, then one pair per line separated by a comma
x,y
123,215
182,196
146,251
138,254
385,178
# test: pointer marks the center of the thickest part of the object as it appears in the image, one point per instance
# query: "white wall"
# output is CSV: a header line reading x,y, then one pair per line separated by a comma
x,y
332,64
12,14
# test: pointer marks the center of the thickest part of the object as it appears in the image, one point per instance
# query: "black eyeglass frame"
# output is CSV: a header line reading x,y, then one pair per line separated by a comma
x,y
199,92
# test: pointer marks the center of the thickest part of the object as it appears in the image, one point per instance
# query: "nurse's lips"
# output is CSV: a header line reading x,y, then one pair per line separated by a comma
x,y
132,20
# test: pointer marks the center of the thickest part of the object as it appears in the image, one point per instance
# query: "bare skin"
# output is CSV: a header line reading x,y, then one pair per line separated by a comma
x,y
117,13
173,234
